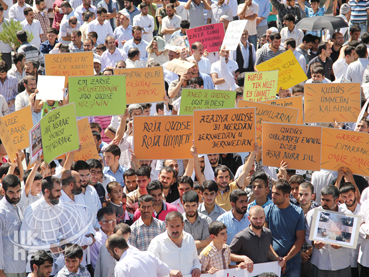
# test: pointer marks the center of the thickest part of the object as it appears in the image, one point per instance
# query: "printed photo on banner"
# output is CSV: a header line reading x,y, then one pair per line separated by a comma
x,y
35,143
335,228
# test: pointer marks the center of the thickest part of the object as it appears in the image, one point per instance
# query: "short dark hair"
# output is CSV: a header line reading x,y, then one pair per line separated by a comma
x,y
97,135
133,52
168,169
289,17
346,187
186,180
52,31
314,1
290,42
145,198
104,211
48,183
159,106
190,196
260,176
318,70
185,24
322,46
129,172
330,190
154,185
361,50
116,241
67,178
4,67
114,149
172,215
77,32
18,57
136,28
297,88
93,34
274,35
210,185
355,28
87,15
146,106
308,38
143,5
143,171
93,163
216,227
299,179
10,181
22,36
170,5
111,185
236,194
348,50
4,168
283,186
101,10
40,258
80,165
196,81
241,79
123,227
65,4
222,168
27,10
73,251
306,185
95,125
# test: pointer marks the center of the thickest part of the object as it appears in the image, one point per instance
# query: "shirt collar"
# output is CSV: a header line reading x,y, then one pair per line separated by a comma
x,y
233,218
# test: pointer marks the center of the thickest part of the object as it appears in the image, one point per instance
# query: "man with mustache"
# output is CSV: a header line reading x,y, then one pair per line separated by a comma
x,y
173,245
11,215
328,258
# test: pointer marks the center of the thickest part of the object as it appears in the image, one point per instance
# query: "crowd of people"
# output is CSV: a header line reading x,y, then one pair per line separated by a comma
x,y
120,216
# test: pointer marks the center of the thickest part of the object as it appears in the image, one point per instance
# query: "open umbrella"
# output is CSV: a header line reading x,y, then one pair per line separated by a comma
x,y
318,23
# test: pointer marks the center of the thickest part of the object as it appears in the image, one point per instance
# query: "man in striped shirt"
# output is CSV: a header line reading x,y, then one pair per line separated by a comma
x,y
272,50
359,14
8,86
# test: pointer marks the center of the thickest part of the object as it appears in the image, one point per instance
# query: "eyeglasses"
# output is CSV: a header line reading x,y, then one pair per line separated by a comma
x,y
110,221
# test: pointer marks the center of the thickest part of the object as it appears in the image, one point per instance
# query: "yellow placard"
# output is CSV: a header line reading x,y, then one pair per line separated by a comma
x,y
289,102
224,130
270,113
260,86
143,85
163,137
290,71
298,145
341,148
7,140
18,124
86,140
70,64
330,102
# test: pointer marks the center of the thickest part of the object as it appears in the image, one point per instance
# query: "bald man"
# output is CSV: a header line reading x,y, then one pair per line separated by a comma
x,y
254,237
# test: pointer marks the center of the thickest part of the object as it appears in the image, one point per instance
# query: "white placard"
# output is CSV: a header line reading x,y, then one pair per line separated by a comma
x,y
233,34
50,87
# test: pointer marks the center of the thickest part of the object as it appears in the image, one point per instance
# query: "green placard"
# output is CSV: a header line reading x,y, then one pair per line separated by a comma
x,y
59,132
98,95
205,99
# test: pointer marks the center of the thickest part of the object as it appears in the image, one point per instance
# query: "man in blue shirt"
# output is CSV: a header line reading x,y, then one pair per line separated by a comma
x,y
287,223
236,219
47,46
113,168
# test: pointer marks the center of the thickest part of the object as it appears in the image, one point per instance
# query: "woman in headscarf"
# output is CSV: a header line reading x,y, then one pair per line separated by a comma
x,y
157,52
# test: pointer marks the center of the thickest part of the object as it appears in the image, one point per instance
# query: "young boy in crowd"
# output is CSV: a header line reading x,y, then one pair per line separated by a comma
x,y
298,90
260,190
73,257
295,181
113,168
198,188
118,202
217,255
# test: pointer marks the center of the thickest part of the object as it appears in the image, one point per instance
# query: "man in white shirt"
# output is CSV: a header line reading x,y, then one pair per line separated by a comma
x,y
217,10
197,50
16,11
176,248
21,100
68,12
123,33
132,262
355,70
222,72
112,54
341,65
137,42
101,26
86,6
145,21
66,28
249,11
290,31
290,44
133,60
32,26
170,23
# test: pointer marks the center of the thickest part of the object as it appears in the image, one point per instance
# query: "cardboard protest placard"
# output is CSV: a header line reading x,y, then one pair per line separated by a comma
x,y
143,85
224,130
69,64
341,148
330,102
7,140
35,143
86,140
290,71
179,67
269,113
44,84
205,99
98,95
59,132
18,124
298,145
233,34
260,86
211,36
163,137
289,102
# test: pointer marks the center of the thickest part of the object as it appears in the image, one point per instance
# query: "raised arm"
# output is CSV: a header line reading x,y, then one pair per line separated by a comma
x,y
302,5
31,176
199,175
326,5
